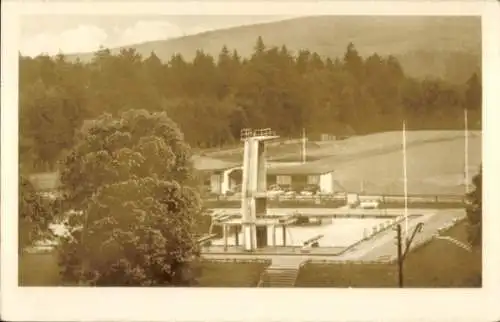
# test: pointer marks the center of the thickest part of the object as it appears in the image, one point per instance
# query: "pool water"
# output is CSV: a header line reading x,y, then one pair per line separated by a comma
x,y
338,232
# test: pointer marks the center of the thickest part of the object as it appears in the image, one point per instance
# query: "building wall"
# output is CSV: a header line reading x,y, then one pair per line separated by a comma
x,y
216,183
326,182
299,180
283,180
295,180
271,179
313,179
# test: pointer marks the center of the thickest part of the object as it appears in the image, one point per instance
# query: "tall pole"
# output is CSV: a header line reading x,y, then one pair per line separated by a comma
x,y
400,256
303,145
405,178
466,152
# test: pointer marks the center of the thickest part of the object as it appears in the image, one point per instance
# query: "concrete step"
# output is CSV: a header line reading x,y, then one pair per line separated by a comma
x,y
279,278
278,282
281,273
288,266
281,269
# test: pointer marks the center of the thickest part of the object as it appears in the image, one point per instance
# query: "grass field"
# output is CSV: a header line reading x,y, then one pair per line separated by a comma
x,y
435,162
432,168
353,146
436,264
235,154
214,274
374,163
42,270
39,269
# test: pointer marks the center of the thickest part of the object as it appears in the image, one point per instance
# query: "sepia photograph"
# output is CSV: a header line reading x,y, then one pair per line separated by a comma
x,y
250,151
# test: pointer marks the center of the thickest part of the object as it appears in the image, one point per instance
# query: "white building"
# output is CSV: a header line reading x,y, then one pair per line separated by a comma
x,y
226,179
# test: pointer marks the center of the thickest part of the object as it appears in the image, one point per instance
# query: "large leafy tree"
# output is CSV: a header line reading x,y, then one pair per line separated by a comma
x,y
128,180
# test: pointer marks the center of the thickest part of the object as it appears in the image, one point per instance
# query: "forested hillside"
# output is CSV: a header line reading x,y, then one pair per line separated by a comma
x,y
447,47
213,97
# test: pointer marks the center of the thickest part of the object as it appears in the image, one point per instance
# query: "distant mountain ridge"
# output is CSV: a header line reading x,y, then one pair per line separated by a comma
x,y
434,46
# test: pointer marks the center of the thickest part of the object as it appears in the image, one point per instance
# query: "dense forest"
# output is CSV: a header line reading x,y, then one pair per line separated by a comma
x,y
212,98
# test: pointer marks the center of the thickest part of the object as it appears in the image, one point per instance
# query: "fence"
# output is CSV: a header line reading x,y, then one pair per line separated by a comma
x,y
423,199
338,200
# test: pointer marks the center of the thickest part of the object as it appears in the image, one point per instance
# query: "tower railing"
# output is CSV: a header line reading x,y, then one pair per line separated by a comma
x,y
248,133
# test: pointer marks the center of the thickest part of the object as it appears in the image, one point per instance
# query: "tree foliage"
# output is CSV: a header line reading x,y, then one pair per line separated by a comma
x,y
36,213
212,98
129,176
475,210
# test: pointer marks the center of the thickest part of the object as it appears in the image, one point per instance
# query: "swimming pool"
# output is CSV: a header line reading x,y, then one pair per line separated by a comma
x,y
337,232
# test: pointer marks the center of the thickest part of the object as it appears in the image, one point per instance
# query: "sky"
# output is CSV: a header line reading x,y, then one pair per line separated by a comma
x,y
52,34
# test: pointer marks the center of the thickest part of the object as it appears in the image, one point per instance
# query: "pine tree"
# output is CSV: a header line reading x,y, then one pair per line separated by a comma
x,y
353,62
473,94
259,48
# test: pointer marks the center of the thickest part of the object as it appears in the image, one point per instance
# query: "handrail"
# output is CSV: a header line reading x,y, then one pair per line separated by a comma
x,y
456,242
206,238
313,239
262,276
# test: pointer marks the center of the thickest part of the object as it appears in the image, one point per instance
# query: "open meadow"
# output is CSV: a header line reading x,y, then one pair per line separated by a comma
x,y
433,167
374,163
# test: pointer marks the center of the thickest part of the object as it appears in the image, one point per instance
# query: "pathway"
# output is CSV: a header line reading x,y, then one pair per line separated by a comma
x,y
387,249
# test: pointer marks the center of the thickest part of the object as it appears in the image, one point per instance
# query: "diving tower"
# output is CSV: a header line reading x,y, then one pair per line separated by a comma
x,y
254,186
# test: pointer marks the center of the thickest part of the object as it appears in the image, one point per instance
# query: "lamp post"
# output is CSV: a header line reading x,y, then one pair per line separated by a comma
x,y
402,253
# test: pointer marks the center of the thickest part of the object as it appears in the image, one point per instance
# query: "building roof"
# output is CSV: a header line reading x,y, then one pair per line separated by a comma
x,y
204,163
308,168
